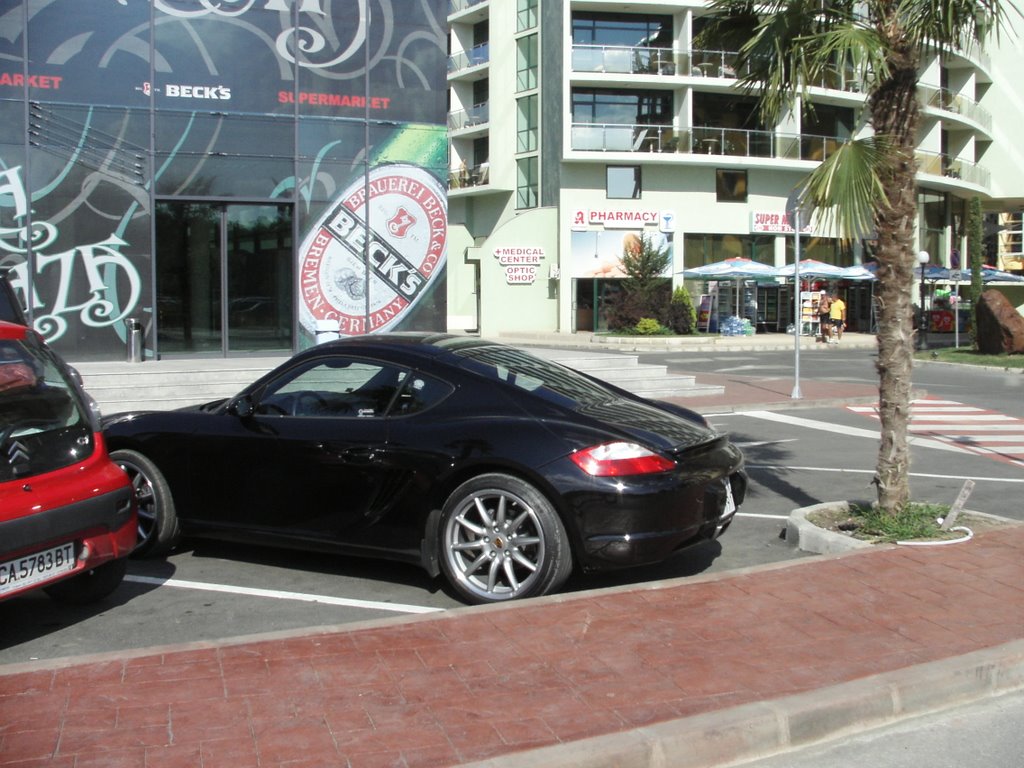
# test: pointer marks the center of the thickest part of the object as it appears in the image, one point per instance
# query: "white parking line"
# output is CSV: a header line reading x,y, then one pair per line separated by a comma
x,y
281,595
825,426
842,470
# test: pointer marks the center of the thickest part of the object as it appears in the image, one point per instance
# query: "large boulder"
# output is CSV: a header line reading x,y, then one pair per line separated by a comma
x,y
1000,327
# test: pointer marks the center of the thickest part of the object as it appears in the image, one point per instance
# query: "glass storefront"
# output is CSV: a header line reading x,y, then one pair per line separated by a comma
x,y
228,174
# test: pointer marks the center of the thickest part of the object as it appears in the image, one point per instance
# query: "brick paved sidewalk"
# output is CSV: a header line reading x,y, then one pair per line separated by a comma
x,y
480,683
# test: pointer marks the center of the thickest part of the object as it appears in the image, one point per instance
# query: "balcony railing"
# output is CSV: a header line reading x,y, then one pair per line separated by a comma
x,y
454,6
704,63
465,176
624,60
702,140
946,100
478,114
938,164
478,54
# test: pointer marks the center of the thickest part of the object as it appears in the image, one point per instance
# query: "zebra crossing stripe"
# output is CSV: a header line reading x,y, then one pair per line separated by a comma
x,y
975,430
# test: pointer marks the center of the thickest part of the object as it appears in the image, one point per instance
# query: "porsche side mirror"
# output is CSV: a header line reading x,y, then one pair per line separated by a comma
x,y
242,407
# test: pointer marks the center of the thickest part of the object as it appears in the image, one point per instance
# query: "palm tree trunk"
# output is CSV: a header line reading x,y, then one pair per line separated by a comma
x,y
895,113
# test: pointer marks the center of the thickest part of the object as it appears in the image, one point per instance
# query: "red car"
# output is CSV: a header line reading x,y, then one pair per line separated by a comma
x,y
67,513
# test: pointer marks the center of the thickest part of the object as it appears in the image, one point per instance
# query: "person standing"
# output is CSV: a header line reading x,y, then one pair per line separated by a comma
x,y
824,318
837,315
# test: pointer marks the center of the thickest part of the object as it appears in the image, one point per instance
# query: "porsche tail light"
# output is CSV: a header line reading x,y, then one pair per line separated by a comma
x,y
618,459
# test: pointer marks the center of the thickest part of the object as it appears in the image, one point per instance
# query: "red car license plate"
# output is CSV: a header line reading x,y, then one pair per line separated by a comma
x,y
25,571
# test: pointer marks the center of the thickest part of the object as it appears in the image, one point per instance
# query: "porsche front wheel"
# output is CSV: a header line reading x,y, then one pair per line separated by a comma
x,y
158,519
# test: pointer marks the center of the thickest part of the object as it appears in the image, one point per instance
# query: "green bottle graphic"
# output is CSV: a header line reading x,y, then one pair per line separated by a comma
x,y
381,246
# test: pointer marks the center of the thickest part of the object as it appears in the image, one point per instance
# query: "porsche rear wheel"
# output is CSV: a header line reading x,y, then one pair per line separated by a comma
x,y
158,519
501,539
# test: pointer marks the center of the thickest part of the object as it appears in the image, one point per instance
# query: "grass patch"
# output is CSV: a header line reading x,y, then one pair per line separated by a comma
x,y
914,521
968,356
917,521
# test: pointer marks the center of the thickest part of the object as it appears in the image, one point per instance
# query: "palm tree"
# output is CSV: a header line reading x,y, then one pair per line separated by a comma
x,y
869,184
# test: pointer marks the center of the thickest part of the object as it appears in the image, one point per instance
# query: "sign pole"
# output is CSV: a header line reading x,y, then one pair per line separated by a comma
x,y
796,394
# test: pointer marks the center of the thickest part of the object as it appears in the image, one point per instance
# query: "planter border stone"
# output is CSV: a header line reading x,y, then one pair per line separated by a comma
x,y
808,537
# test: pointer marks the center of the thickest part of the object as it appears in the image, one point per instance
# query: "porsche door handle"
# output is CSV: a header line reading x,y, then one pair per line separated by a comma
x,y
359,455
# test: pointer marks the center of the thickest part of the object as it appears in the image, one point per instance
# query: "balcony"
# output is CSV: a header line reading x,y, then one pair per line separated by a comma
x,y
474,57
476,116
624,60
702,140
947,101
706,63
455,6
466,177
938,164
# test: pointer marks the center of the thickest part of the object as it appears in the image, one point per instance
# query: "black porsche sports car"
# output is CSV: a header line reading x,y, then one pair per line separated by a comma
x,y
497,468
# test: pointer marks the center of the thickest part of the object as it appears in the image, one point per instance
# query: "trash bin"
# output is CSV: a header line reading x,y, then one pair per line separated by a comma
x,y
134,340
327,330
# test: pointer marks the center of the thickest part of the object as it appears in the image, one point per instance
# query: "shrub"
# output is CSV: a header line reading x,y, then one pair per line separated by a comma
x,y
681,314
648,326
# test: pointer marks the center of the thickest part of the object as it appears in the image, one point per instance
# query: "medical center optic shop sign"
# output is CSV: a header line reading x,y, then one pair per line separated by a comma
x,y
404,245
520,264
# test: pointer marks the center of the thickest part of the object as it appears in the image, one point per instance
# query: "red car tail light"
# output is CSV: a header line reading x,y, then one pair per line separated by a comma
x,y
618,459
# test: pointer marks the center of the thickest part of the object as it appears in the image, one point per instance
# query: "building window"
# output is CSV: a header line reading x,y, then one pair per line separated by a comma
x,y
526,15
526,63
526,124
699,249
526,182
628,31
622,182
731,186
630,107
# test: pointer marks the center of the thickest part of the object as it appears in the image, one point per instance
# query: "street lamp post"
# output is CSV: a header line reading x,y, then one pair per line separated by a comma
x,y
922,324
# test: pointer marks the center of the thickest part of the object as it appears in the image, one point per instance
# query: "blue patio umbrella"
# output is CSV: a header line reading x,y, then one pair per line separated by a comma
x,y
737,268
811,268
858,272
989,275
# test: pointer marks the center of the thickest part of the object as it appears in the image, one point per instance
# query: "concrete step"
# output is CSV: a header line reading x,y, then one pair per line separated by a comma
x,y
169,384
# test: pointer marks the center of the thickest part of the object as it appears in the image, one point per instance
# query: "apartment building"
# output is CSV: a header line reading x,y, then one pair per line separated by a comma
x,y
576,126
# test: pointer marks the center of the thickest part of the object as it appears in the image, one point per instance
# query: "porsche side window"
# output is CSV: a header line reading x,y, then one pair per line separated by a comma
x,y
420,393
332,389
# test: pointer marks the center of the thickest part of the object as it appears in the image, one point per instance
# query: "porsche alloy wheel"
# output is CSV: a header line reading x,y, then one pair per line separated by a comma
x,y
158,520
501,539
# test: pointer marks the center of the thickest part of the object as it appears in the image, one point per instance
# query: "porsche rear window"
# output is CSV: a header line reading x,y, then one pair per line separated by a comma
x,y
545,378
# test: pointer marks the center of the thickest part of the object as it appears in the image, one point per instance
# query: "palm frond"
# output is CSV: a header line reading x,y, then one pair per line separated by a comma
x,y
847,188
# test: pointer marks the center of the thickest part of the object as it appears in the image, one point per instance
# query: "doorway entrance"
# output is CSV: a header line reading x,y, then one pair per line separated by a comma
x,y
224,278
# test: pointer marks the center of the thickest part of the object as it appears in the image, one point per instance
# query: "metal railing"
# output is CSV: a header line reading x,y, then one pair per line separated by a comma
x,y
702,140
948,101
939,164
625,60
478,114
454,6
478,54
465,177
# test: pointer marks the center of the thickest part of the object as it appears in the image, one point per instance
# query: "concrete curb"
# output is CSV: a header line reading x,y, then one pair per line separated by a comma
x,y
808,537
752,731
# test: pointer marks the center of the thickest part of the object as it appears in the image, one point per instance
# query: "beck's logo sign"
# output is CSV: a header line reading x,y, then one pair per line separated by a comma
x,y
400,224
404,246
